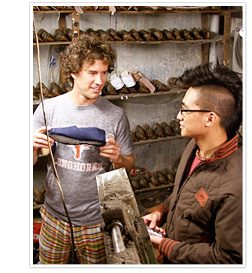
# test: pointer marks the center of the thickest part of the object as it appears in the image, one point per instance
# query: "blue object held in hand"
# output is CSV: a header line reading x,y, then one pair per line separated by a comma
x,y
75,135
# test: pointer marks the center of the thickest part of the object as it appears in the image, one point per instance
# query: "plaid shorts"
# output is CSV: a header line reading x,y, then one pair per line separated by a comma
x,y
55,242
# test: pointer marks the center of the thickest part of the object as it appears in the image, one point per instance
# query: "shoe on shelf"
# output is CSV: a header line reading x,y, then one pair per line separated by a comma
x,y
149,132
127,79
116,82
158,130
55,90
140,133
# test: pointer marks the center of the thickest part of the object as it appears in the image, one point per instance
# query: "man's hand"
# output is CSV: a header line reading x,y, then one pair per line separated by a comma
x,y
152,219
40,141
112,151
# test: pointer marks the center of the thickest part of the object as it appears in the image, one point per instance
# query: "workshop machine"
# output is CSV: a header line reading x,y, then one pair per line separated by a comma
x,y
126,237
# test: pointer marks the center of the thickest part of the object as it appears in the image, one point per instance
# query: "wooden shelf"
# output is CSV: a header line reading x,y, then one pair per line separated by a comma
x,y
216,38
133,95
141,95
171,9
52,43
159,139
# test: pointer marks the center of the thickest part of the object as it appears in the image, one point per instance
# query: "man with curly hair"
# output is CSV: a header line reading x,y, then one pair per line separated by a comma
x,y
87,62
203,215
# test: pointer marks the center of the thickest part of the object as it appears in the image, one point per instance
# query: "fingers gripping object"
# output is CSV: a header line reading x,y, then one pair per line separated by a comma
x,y
152,232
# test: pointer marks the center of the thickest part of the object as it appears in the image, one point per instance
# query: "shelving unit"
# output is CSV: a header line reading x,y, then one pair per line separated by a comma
x,y
204,11
127,101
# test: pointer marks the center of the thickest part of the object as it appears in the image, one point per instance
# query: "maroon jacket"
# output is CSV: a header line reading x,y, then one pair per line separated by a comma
x,y
204,220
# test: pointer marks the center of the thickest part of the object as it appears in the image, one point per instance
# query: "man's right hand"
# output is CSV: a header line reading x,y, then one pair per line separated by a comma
x,y
40,141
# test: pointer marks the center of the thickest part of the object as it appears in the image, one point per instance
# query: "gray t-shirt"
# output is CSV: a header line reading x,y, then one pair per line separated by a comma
x,y
78,165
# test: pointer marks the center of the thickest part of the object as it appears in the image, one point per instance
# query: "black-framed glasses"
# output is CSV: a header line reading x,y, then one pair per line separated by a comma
x,y
193,110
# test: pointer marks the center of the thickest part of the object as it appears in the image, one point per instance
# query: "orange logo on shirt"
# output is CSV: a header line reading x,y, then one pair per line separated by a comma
x,y
78,150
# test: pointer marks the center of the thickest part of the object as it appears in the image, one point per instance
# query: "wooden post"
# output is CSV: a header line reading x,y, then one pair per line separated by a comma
x,y
205,47
75,26
227,38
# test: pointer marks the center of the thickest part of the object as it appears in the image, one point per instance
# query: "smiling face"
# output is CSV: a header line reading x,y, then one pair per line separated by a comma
x,y
89,81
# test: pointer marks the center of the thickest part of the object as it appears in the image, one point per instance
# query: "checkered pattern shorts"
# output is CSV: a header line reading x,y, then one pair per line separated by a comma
x,y
55,242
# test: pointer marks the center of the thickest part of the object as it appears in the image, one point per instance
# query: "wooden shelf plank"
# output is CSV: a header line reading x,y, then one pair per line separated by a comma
x,y
216,38
169,10
134,95
156,140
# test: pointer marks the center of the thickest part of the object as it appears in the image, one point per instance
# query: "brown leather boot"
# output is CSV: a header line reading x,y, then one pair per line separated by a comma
x,y
161,178
205,33
110,89
46,36
134,137
45,90
186,34
59,35
103,35
168,35
55,90
136,35
36,93
146,35
141,88
167,129
126,35
156,34
159,85
175,126
196,34
177,35
154,180
149,132
159,130
140,133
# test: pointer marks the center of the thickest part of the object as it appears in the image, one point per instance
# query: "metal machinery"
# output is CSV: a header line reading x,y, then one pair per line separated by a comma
x,y
126,238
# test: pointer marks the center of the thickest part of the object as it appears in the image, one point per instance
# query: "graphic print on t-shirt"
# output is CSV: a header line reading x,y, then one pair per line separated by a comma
x,y
80,158
78,150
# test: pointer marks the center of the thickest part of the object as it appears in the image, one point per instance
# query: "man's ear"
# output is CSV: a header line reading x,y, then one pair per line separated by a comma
x,y
211,119
73,76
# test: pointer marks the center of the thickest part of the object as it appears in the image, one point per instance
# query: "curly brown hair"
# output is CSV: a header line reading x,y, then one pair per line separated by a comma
x,y
86,49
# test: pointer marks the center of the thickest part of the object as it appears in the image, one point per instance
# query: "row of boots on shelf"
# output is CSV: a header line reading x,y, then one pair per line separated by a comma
x,y
151,34
108,89
141,178
53,91
133,35
158,130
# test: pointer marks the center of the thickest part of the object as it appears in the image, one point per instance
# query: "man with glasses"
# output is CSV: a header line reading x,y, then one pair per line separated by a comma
x,y
204,213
